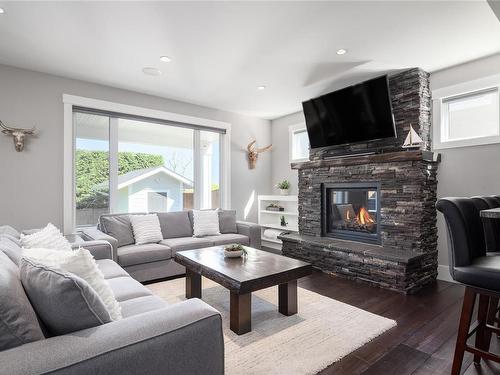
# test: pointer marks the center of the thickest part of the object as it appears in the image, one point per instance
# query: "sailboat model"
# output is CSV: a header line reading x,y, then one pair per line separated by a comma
x,y
412,140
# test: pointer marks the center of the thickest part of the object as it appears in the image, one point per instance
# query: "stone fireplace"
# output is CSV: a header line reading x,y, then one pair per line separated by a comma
x,y
372,217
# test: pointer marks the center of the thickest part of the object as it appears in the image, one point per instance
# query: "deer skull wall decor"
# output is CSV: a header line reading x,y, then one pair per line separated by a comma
x,y
253,153
18,134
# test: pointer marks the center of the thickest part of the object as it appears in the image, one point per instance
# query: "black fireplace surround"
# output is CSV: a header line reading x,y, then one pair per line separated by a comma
x,y
351,211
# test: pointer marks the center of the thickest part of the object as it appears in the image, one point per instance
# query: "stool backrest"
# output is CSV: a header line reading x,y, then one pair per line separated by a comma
x,y
491,227
465,230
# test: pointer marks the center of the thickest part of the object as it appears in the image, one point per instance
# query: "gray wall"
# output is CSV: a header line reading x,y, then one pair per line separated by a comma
x,y
281,161
31,187
466,171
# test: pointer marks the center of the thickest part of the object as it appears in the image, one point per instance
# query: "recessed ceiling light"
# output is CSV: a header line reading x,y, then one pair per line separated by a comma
x,y
341,51
151,71
261,87
165,58
2,11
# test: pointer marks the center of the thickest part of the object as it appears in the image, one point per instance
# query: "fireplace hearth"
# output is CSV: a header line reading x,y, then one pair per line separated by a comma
x,y
351,211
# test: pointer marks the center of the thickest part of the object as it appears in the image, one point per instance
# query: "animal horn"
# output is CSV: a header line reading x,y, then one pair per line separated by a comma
x,y
6,128
250,146
263,149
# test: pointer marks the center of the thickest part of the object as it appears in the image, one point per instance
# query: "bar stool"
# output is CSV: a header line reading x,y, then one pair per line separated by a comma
x,y
479,273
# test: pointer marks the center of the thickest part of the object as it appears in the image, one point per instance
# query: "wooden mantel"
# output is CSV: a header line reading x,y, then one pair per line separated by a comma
x,y
389,157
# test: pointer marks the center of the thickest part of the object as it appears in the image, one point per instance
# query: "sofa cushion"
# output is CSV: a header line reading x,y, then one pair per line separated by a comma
x,y
227,221
126,288
18,321
187,243
64,302
117,226
141,305
110,269
205,223
7,229
229,238
138,254
175,224
11,249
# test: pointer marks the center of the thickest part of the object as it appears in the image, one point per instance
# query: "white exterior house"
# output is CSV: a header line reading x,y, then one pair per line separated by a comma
x,y
156,189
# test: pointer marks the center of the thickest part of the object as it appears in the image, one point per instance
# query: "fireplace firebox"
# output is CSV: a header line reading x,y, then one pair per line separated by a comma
x,y
351,211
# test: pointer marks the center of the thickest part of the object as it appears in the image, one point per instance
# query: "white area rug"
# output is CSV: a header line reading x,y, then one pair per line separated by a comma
x,y
323,331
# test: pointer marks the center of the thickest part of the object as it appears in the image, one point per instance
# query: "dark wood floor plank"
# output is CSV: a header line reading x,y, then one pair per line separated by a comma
x,y
402,360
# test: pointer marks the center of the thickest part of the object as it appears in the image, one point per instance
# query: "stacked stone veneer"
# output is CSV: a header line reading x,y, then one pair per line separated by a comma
x,y
407,257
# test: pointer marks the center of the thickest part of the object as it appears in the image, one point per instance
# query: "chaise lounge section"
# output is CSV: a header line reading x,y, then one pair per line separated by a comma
x,y
156,260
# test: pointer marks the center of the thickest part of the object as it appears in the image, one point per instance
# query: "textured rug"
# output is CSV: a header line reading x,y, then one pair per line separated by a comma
x,y
323,331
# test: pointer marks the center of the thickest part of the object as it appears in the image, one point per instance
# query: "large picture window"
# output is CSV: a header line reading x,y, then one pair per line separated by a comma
x,y
125,164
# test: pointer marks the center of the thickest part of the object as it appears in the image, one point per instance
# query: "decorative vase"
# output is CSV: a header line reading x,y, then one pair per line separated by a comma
x,y
284,191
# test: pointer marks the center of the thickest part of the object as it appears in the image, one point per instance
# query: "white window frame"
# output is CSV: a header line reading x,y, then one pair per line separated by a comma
x,y
292,130
69,224
439,96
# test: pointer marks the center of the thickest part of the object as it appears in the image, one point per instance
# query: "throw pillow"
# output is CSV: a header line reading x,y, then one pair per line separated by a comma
x,y
205,223
146,228
81,263
18,322
117,226
227,221
64,302
48,238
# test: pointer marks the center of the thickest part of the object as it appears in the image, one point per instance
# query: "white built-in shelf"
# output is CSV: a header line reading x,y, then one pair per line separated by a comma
x,y
285,198
278,226
271,219
280,212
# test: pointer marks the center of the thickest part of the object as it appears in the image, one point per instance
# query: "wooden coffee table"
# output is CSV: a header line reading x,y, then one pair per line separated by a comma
x,y
242,276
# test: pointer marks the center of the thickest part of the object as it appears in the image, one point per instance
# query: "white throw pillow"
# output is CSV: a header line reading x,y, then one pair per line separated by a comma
x,y
81,263
205,223
146,228
47,238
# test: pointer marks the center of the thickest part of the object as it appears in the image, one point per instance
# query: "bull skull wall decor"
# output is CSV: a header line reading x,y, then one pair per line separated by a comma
x,y
253,153
18,134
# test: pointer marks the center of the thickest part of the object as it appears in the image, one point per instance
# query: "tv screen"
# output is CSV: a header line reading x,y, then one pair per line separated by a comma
x,y
359,113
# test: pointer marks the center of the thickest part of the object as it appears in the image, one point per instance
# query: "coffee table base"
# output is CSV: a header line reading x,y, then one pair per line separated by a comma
x,y
240,307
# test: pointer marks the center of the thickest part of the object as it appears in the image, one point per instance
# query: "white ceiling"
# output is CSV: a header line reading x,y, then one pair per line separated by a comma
x,y
223,50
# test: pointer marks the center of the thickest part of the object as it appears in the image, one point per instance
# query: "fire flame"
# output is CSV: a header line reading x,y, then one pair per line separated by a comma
x,y
364,217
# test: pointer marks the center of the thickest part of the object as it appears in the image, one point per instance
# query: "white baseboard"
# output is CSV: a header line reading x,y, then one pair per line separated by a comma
x,y
444,273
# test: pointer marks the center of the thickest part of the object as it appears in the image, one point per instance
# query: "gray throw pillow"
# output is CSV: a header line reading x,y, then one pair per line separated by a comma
x,y
175,224
119,227
18,322
227,221
64,302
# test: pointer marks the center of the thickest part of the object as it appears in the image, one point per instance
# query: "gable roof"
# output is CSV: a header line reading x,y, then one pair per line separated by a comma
x,y
132,177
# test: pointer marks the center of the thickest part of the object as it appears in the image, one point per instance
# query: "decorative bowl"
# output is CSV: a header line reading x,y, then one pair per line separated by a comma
x,y
233,254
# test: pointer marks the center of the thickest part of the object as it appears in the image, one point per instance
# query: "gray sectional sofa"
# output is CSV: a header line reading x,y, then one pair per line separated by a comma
x,y
152,338
155,261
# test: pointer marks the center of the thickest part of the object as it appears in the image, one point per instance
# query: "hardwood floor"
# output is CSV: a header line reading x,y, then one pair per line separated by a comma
x,y
422,343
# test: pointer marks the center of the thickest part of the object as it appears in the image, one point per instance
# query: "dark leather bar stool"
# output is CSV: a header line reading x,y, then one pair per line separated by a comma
x,y
480,273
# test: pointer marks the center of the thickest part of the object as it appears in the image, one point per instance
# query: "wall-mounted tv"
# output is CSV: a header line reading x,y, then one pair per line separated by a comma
x,y
358,113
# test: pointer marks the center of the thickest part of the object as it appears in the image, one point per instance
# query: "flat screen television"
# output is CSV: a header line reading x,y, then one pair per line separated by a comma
x,y
358,113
